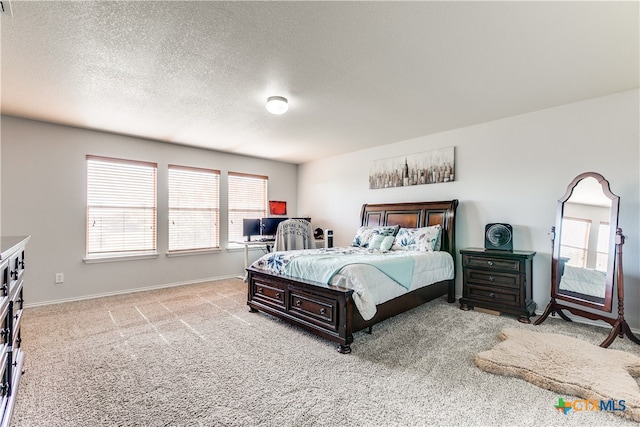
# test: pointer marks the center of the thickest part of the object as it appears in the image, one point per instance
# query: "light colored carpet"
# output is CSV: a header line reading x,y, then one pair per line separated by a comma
x,y
194,356
568,366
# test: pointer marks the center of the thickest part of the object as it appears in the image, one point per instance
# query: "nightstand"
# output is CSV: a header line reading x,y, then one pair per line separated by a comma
x,y
498,280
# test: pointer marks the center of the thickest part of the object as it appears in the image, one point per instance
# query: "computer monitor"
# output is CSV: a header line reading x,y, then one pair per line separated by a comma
x,y
250,227
270,225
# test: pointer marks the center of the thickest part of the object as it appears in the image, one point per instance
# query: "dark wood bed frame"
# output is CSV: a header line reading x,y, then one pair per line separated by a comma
x,y
329,311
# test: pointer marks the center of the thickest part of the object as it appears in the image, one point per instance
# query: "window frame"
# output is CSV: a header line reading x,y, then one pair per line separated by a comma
x,y
232,212
603,239
584,248
215,209
142,252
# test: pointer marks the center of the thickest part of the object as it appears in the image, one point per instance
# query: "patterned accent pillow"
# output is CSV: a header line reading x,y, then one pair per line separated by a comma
x,y
364,234
418,239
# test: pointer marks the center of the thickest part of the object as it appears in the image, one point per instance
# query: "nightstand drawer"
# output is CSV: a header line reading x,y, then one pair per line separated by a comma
x,y
492,278
492,263
489,294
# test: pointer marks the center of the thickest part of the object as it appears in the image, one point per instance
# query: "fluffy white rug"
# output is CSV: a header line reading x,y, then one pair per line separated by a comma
x,y
568,366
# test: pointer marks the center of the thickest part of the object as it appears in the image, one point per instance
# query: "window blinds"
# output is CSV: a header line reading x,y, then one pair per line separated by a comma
x,y
575,241
194,208
247,199
121,207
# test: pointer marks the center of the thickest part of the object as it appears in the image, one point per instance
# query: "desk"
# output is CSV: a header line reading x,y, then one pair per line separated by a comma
x,y
268,244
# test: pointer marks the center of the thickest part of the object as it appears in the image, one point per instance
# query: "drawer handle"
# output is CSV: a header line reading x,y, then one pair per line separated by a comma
x,y
22,264
492,295
323,311
490,262
491,278
260,290
277,294
14,274
298,303
4,333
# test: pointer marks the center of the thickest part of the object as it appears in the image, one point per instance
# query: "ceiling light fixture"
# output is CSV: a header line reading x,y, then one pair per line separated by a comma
x,y
277,105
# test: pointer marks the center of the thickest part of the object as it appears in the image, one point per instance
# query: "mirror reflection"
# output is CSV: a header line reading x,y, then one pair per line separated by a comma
x,y
585,242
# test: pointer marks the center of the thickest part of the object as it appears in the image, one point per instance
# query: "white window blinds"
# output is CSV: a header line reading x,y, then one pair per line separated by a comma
x,y
247,199
194,208
121,207
575,241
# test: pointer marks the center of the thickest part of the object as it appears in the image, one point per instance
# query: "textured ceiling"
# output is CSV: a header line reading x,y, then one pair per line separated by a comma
x,y
357,74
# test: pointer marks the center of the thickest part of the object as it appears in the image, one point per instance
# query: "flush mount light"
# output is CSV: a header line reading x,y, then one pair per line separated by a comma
x,y
277,105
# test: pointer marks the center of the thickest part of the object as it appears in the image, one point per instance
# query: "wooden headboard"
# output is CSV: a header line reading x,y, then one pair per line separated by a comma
x,y
415,215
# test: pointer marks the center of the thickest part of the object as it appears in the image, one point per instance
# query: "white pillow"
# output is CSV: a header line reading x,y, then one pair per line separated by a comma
x,y
376,241
387,242
381,243
365,233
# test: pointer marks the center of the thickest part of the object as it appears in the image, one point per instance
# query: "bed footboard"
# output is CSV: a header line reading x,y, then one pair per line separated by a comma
x,y
324,310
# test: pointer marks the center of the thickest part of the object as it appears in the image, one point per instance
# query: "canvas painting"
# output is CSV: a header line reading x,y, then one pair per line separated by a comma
x,y
277,207
428,167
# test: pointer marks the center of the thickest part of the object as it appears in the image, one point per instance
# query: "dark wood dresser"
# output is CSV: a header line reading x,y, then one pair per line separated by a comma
x,y
12,266
501,281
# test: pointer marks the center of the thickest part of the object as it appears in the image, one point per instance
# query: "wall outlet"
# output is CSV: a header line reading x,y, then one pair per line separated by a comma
x,y
59,277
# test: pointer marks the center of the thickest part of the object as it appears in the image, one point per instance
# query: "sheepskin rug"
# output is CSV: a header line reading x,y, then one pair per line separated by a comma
x,y
567,366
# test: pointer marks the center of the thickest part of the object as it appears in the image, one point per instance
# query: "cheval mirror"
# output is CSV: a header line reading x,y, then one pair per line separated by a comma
x,y
587,256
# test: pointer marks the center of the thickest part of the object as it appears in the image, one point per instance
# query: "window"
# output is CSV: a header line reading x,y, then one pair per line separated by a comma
x,y
602,256
247,199
575,240
194,208
121,207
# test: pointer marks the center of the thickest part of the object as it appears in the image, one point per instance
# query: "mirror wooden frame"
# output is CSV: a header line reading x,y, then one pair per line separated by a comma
x,y
614,270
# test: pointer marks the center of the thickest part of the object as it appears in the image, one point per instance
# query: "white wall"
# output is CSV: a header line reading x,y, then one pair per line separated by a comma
x,y
512,170
44,195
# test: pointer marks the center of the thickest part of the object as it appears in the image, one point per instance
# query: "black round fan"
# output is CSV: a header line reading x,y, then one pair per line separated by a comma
x,y
498,236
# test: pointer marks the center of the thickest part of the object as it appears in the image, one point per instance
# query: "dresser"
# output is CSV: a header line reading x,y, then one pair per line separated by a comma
x,y
500,281
12,266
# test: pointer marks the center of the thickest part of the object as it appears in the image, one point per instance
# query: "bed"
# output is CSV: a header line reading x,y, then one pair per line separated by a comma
x,y
329,310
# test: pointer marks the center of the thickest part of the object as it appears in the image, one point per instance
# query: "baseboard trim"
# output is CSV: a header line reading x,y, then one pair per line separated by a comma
x,y
129,291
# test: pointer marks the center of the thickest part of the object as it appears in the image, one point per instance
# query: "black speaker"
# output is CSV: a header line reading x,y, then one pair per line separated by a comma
x,y
498,237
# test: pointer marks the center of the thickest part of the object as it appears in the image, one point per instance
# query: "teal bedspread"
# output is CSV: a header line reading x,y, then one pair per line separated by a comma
x,y
322,267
